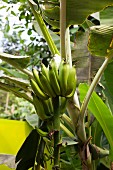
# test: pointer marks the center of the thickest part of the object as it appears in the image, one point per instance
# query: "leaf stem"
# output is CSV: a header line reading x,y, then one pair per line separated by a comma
x,y
68,47
81,130
67,120
66,131
63,28
44,29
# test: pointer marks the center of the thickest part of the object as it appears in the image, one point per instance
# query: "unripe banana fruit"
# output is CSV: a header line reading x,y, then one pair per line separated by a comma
x,y
39,108
37,90
53,81
63,76
67,79
71,82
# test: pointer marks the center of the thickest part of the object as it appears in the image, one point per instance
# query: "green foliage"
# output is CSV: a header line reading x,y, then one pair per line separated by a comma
x,y
108,77
100,42
21,43
27,161
101,112
76,152
76,12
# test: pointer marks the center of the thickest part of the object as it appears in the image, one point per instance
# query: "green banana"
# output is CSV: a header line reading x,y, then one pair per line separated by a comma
x,y
46,107
55,68
46,85
63,102
63,76
44,70
71,82
39,108
38,91
36,77
54,81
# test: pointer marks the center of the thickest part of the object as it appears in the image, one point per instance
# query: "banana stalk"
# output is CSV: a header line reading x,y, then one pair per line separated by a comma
x,y
56,124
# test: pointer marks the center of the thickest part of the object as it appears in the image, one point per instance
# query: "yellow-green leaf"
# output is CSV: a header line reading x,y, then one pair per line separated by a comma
x,y
102,113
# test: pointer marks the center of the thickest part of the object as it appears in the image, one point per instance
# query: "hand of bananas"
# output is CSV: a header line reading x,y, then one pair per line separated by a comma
x,y
49,83
54,81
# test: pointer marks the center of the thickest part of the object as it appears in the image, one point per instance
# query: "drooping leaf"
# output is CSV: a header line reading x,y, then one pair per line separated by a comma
x,y
14,73
18,81
16,61
102,113
16,91
25,157
80,55
8,87
77,11
85,63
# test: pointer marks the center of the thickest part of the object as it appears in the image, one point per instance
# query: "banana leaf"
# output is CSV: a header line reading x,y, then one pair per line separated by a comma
x,y
106,16
16,61
102,113
76,11
108,74
24,84
100,40
14,73
16,91
86,64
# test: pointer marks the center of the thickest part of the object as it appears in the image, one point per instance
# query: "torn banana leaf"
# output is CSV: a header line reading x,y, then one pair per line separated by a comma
x,y
76,11
86,64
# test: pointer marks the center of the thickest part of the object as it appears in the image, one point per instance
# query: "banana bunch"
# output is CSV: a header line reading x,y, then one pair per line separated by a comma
x,y
44,108
54,81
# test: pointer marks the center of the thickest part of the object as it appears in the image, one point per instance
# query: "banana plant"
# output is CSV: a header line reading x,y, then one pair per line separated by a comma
x,y
71,125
